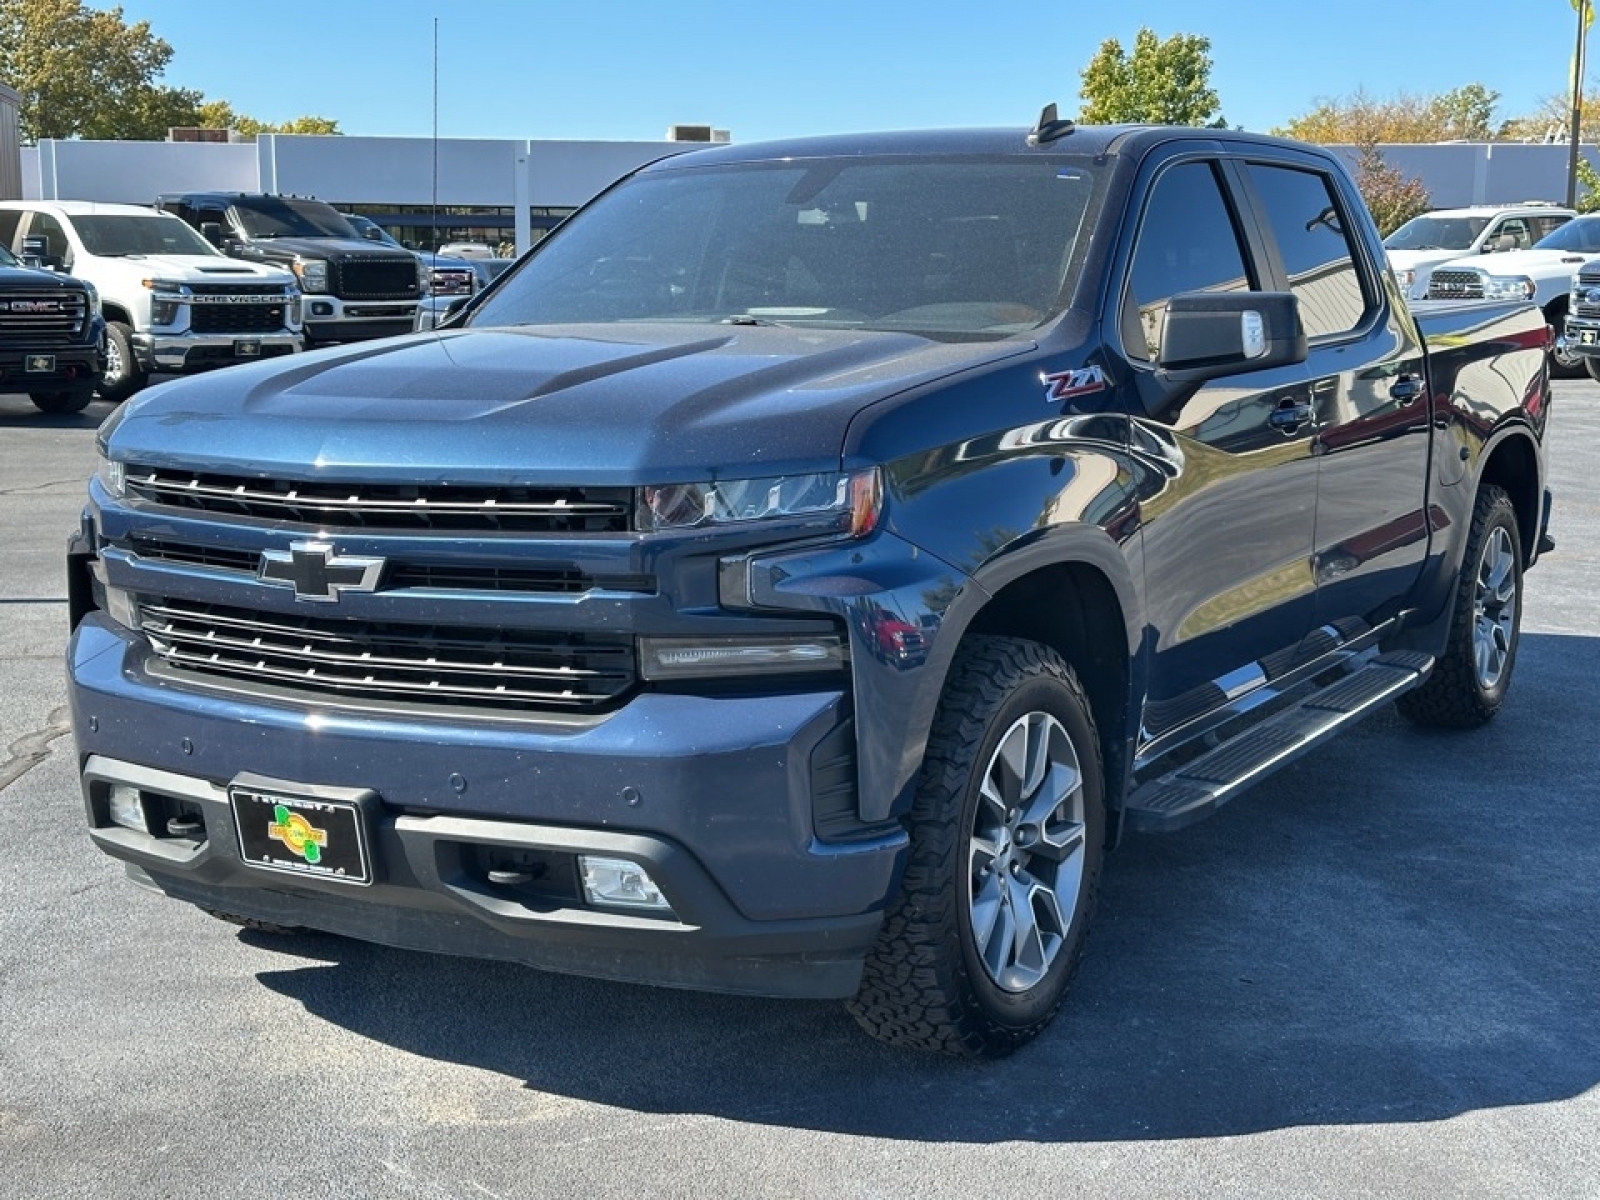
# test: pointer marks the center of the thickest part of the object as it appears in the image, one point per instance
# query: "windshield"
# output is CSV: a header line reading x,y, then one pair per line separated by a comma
x,y
953,248
285,216
114,237
1582,235
372,231
7,259
1436,233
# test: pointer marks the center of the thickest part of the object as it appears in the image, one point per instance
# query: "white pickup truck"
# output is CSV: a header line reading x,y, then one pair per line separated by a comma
x,y
1437,237
172,302
1542,274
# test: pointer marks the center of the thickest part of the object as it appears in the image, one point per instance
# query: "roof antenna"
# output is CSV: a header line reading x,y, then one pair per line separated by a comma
x,y
1049,128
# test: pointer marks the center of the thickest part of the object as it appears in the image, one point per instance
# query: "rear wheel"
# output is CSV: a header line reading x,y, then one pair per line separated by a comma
x,y
69,401
123,375
1470,680
1007,836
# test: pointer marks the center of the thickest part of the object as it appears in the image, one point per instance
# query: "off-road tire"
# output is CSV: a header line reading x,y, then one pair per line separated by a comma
x,y
124,376
1455,696
924,985
1592,365
60,403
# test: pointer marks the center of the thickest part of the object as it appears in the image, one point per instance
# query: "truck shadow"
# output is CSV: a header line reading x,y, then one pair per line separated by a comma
x,y
1401,927
18,412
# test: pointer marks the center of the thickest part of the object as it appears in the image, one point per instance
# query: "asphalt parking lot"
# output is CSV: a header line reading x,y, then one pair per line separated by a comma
x,y
1378,974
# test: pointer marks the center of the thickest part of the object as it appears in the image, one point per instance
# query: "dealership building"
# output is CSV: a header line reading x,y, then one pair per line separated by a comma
x,y
422,191
511,192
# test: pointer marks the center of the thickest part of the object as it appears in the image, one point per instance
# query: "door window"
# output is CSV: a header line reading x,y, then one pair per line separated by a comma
x,y
1302,209
1187,243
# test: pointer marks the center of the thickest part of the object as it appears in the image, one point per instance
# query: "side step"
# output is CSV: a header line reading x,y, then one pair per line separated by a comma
x,y
1198,788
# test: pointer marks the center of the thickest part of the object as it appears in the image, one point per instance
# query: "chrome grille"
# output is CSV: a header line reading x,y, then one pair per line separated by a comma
x,y
238,289
1455,285
52,317
393,662
1582,305
389,506
378,278
434,576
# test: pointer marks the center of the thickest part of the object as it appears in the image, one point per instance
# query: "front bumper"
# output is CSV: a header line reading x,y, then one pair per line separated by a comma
x,y
712,795
74,366
330,319
197,351
1582,336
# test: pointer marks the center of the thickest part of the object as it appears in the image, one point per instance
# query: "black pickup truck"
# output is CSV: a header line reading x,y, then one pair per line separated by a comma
x,y
354,289
52,337
794,575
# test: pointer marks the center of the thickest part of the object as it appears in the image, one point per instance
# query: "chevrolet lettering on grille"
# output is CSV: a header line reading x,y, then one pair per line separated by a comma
x,y
317,573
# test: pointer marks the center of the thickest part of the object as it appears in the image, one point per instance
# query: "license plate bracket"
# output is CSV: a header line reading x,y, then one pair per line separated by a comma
x,y
39,364
311,832
247,349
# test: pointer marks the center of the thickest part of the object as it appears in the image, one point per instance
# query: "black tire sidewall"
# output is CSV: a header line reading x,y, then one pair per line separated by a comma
x,y
132,378
64,402
1024,1010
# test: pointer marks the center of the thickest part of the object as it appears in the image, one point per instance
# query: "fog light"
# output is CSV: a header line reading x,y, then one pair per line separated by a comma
x,y
321,308
127,809
619,883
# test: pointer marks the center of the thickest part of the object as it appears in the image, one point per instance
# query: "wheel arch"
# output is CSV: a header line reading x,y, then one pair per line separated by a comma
x,y
1075,594
116,312
1512,463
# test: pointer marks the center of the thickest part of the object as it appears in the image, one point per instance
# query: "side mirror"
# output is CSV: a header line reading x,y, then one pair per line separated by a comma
x,y
33,251
371,234
1207,335
213,233
408,244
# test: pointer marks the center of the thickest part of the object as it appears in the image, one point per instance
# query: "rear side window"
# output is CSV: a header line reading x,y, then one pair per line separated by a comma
x,y
1310,231
1186,243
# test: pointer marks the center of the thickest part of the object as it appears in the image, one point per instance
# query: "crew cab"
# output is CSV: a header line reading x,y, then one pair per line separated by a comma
x,y
354,289
1426,241
1542,274
172,303
794,574
52,336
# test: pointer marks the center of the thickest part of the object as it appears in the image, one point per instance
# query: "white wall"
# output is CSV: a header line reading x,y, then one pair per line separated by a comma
x,y
135,172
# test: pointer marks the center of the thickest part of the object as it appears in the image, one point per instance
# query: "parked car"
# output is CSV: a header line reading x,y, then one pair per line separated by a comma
x,y
354,289
1583,318
52,336
1542,274
172,303
1424,242
794,576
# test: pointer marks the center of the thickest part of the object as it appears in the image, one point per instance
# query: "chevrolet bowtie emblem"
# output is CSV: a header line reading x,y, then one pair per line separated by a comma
x,y
317,573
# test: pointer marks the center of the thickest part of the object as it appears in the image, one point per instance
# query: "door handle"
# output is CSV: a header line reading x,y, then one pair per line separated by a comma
x,y
1406,388
1289,415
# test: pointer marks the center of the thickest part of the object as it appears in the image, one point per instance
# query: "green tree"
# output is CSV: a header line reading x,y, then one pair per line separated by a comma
x,y
1589,181
86,73
1160,83
1392,197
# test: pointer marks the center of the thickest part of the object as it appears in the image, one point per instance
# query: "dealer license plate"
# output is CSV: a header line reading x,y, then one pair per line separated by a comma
x,y
1586,337
39,364
302,835
247,349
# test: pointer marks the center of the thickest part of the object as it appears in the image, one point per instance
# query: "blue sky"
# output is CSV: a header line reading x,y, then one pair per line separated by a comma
x,y
626,69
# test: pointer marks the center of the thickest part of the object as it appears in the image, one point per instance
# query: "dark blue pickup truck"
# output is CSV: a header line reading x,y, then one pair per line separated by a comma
x,y
794,575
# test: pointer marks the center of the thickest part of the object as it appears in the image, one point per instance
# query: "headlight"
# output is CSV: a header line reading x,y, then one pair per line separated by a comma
x,y
1508,287
1406,278
424,277
113,476
313,274
94,298
853,498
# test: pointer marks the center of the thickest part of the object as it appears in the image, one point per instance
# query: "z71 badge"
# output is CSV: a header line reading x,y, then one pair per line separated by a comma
x,y
1064,385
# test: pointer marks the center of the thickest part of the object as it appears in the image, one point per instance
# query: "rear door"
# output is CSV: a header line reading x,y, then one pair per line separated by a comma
x,y
1368,390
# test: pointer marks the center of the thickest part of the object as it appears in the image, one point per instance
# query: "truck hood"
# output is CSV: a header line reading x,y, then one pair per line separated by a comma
x,y
328,247
616,404
1536,264
195,268
34,278
1404,260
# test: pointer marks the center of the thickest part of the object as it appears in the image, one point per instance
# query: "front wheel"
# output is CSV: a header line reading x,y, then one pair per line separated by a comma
x,y
124,376
1564,364
1592,365
1470,680
1007,836
70,400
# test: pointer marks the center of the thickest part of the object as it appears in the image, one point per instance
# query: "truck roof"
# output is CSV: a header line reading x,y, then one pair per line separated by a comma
x,y
85,208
